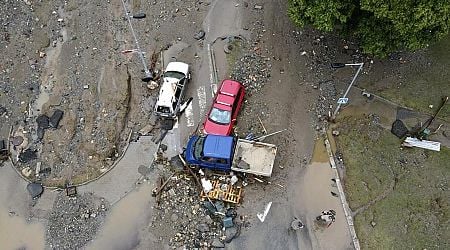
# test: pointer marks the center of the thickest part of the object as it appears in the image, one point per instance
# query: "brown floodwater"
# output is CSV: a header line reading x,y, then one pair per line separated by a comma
x,y
126,222
17,233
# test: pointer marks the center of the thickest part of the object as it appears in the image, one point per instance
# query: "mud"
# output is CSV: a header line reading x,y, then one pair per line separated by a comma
x,y
320,154
124,225
318,198
18,233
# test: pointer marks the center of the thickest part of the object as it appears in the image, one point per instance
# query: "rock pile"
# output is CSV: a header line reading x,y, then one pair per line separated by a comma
x,y
252,70
181,208
326,101
191,221
74,222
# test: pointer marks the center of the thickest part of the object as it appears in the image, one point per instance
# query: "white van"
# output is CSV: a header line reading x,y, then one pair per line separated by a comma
x,y
174,81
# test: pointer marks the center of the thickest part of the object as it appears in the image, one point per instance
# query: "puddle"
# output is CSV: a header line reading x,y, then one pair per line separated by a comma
x,y
315,197
17,233
320,152
123,226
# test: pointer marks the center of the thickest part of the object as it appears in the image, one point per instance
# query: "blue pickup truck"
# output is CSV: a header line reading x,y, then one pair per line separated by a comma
x,y
228,153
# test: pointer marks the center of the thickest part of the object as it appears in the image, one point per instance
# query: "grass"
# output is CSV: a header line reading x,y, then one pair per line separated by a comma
x,y
235,53
415,213
425,85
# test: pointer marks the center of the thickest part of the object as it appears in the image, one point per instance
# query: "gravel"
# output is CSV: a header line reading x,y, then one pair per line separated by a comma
x,y
180,207
183,218
74,222
252,70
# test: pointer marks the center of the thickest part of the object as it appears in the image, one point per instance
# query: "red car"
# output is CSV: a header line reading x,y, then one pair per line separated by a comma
x,y
225,108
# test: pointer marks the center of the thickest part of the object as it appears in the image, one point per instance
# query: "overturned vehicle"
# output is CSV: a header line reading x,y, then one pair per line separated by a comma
x,y
174,81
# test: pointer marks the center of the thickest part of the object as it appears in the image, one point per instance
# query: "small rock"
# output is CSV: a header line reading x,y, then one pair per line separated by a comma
x,y
199,35
41,54
2,110
27,171
258,7
373,223
163,147
335,132
216,243
152,85
43,121
174,217
203,228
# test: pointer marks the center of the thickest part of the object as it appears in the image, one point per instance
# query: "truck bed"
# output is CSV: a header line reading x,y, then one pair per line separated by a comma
x,y
254,157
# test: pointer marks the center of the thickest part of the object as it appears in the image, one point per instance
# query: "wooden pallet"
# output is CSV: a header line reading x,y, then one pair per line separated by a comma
x,y
231,194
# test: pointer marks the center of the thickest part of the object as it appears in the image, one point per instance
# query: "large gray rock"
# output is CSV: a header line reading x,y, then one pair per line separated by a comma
x,y
35,190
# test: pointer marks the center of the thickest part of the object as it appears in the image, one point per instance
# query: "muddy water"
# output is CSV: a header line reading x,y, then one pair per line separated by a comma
x,y
320,152
124,226
315,189
17,233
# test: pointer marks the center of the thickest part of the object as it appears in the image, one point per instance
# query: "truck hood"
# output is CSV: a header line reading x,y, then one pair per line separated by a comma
x,y
178,67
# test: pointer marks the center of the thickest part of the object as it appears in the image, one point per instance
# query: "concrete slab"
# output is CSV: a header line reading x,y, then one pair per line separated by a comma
x,y
123,177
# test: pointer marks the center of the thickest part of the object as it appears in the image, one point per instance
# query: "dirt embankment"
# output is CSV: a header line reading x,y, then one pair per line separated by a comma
x,y
67,56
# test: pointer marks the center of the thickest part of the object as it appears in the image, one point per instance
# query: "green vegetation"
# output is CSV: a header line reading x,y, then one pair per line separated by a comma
x,y
235,52
383,26
410,188
426,85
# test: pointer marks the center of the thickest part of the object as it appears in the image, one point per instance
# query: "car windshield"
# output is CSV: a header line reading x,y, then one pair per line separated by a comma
x,y
174,74
220,116
198,147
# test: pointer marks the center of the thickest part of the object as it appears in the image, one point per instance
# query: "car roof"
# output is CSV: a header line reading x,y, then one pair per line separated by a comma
x,y
218,146
167,92
230,86
224,102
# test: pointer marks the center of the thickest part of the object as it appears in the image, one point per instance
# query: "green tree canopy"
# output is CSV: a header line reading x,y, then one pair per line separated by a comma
x,y
383,26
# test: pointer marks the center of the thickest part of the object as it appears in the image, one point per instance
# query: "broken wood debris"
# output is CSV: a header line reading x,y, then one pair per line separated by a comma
x,y
162,185
414,142
262,125
259,180
226,193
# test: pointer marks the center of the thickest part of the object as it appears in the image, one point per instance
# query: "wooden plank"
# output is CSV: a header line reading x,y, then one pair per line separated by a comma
x,y
414,142
231,194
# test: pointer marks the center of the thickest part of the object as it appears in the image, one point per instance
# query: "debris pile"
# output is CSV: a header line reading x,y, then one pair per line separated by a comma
x,y
252,70
74,222
326,101
196,219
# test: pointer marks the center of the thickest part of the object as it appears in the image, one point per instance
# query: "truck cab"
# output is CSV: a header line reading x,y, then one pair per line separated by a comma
x,y
228,153
174,81
211,151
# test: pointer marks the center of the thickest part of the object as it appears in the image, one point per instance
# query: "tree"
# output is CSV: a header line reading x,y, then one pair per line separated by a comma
x,y
382,26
